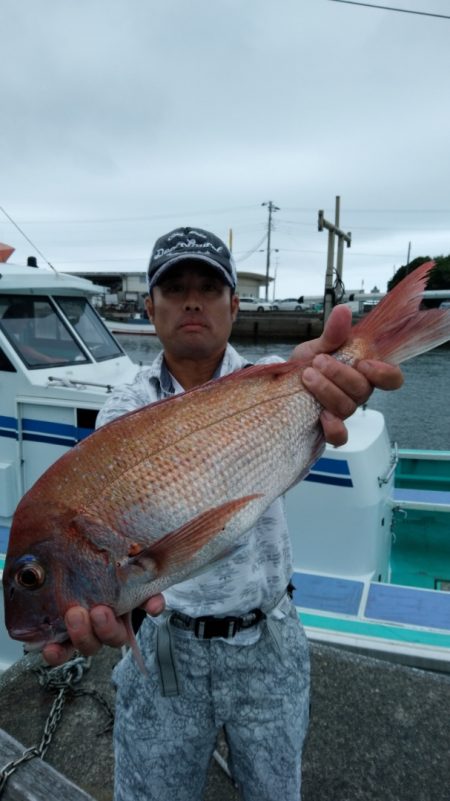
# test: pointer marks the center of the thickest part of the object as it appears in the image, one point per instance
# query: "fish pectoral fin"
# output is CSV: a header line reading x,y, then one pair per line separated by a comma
x,y
94,531
180,545
134,549
103,538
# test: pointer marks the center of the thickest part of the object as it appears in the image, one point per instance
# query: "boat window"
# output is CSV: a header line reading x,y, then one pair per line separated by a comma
x,y
89,327
37,333
5,364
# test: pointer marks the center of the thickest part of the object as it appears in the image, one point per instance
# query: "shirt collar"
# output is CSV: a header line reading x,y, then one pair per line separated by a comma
x,y
159,373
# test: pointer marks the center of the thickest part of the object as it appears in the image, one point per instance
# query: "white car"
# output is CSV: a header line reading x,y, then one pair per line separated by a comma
x,y
254,304
288,304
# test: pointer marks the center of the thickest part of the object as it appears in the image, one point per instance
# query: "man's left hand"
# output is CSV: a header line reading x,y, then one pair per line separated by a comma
x,y
338,387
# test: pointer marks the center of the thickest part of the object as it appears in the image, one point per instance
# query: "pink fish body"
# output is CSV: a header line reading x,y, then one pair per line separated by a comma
x,y
160,493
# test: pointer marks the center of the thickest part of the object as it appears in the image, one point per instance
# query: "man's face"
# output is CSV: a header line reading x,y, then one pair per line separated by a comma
x,y
193,311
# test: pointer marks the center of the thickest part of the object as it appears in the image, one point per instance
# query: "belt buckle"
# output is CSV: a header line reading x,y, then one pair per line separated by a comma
x,y
207,627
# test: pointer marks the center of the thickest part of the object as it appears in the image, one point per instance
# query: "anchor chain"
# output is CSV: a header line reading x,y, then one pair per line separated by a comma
x,y
60,679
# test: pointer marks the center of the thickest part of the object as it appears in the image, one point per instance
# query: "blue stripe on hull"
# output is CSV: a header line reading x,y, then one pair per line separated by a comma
x,y
68,443
339,466
9,434
48,427
8,422
43,431
322,479
330,471
8,427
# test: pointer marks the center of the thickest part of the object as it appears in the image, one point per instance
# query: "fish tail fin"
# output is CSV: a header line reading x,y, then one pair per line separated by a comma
x,y
397,330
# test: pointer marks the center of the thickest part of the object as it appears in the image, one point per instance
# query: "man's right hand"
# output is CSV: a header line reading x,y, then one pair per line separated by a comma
x,y
89,630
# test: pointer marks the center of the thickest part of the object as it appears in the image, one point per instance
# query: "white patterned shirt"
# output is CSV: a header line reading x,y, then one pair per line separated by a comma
x,y
257,572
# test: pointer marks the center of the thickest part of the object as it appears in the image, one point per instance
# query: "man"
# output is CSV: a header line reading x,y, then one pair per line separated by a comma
x,y
224,649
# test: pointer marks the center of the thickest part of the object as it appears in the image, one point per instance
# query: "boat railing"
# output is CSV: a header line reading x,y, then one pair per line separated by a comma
x,y
69,382
392,467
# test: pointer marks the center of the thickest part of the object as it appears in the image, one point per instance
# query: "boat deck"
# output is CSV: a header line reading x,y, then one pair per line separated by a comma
x,y
410,616
423,499
373,601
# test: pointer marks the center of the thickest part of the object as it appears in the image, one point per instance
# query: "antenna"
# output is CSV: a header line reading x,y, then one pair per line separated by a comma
x,y
28,239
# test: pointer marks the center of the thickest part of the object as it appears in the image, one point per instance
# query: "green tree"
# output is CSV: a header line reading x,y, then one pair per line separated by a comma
x,y
439,277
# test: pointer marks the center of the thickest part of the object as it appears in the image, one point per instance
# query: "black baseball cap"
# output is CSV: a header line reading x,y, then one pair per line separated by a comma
x,y
191,244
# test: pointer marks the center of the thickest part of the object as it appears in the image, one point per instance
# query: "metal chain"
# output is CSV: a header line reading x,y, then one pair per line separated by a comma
x,y
62,680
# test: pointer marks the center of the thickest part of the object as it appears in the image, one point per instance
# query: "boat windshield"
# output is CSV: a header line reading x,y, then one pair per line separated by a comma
x,y
89,328
41,335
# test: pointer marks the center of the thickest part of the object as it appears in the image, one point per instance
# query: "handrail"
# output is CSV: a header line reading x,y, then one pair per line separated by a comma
x,y
391,469
69,382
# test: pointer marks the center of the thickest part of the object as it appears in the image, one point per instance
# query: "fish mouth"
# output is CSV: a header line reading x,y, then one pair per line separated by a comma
x,y
35,639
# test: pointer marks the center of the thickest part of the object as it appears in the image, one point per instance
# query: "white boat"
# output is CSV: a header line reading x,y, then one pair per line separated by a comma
x,y
134,325
58,362
371,545
370,525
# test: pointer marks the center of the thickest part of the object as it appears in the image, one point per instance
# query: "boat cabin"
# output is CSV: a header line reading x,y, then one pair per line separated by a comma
x,y
58,361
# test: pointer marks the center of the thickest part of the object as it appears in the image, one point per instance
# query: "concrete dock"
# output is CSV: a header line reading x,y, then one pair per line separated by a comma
x,y
281,326
378,732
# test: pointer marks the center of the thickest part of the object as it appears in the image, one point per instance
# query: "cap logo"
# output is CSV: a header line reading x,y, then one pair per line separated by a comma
x,y
190,244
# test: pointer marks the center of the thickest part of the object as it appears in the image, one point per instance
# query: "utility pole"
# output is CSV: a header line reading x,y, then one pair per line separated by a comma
x,y
271,206
408,257
333,231
276,250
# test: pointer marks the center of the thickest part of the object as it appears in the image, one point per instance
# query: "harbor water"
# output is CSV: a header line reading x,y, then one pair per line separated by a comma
x,y
417,415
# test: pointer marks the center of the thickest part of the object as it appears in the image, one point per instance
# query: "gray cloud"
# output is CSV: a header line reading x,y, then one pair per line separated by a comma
x,y
149,115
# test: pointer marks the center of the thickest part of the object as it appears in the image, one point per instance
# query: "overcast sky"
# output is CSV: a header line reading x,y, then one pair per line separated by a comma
x,y
122,119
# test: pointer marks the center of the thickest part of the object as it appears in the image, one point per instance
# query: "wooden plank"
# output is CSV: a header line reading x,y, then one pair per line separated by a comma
x,y
35,780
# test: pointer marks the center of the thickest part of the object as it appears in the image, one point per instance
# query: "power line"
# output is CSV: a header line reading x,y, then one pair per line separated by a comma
x,y
364,227
391,8
255,224
145,218
313,210
253,250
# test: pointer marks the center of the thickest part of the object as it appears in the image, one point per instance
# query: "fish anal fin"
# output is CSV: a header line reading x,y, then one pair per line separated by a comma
x,y
179,546
133,643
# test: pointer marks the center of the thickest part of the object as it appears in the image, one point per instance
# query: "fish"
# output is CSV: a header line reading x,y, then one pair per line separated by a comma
x,y
162,492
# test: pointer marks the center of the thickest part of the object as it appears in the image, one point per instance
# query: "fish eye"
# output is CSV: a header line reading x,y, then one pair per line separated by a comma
x,y
30,575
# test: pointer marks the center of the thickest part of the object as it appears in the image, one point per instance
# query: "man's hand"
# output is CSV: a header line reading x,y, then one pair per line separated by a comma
x,y
88,631
339,388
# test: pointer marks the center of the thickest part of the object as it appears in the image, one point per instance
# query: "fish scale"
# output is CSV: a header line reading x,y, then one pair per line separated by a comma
x,y
147,503
150,506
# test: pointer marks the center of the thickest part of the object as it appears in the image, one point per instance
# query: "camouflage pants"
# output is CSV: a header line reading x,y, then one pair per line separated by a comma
x,y
258,693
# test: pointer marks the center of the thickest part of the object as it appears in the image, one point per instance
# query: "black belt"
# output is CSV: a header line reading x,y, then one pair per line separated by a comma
x,y
210,626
